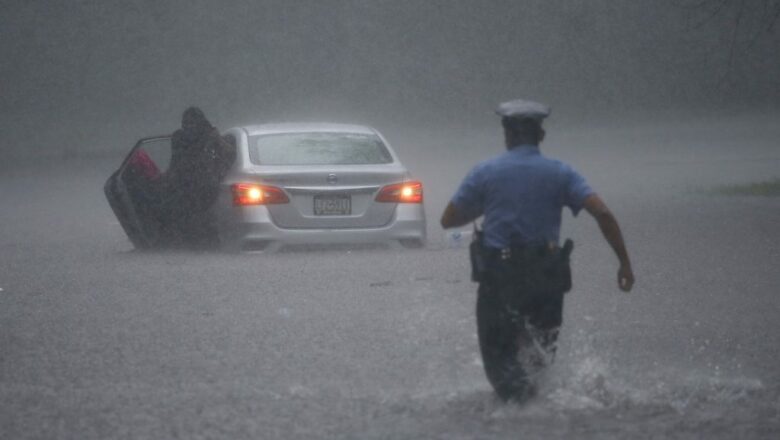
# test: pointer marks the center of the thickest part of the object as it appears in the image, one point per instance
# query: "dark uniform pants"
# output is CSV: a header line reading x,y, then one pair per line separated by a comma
x,y
518,318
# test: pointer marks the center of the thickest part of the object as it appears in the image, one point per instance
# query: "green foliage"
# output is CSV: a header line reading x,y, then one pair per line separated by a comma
x,y
769,188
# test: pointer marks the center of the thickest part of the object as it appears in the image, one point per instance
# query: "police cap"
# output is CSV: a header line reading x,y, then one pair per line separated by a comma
x,y
522,109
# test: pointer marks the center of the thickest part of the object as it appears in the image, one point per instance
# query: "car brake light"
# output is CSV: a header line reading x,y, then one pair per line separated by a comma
x,y
254,194
407,192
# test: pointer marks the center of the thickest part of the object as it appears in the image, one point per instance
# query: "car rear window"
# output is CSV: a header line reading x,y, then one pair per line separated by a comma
x,y
318,149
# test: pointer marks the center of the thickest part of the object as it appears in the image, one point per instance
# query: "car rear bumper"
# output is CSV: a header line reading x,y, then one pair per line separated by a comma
x,y
252,229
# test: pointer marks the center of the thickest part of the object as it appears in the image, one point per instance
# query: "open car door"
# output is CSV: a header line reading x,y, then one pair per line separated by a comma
x,y
134,191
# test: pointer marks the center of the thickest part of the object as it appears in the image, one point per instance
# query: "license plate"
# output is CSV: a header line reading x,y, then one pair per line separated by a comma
x,y
332,204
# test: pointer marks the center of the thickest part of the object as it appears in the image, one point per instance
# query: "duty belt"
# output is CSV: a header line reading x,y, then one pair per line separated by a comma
x,y
521,251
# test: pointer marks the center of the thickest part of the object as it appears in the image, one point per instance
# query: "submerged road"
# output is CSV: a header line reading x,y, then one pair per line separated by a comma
x,y
98,341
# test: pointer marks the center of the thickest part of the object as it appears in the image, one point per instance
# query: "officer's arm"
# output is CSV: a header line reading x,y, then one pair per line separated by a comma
x,y
452,217
611,230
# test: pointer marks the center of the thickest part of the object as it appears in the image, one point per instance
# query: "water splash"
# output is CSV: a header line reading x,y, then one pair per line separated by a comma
x,y
587,380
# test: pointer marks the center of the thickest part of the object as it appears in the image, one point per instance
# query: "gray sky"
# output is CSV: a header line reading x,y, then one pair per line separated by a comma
x,y
94,75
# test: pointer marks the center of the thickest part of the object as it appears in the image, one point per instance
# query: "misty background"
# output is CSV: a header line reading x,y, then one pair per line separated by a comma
x,y
90,77
657,103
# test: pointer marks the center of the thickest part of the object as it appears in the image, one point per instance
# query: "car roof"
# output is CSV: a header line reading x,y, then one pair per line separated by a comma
x,y
306,127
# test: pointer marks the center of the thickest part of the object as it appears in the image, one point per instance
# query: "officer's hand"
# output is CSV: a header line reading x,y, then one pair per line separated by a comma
x,y
625,278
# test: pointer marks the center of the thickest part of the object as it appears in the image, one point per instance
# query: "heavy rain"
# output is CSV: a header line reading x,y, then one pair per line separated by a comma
x,y
670,109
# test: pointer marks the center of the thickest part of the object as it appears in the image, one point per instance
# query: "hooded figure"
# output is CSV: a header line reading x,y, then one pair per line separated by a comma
x,y
200,159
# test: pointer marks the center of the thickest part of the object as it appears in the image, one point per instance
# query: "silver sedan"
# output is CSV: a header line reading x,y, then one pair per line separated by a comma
x,y
294,184
317,183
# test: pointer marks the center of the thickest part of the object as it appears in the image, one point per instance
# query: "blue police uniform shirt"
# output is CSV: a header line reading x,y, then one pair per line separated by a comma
x,y
521,193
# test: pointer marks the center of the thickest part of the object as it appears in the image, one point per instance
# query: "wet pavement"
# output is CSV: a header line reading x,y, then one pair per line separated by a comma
x,y
99,341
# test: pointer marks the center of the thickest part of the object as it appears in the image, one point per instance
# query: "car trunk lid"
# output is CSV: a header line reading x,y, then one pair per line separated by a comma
x,y
330,197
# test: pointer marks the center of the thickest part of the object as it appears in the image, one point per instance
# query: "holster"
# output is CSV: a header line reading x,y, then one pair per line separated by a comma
x,y
556,268
545,269
477,256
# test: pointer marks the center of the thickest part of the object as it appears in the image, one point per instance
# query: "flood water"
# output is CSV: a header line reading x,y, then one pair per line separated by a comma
x,y
98,341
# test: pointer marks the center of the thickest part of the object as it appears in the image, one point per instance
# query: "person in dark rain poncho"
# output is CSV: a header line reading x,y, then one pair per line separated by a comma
x,y
522,271
200,159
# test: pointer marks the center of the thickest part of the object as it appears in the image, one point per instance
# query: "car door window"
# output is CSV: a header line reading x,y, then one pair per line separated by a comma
x,y
150,159
159,151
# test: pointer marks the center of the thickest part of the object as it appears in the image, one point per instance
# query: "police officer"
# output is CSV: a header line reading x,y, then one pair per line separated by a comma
x,y
522,271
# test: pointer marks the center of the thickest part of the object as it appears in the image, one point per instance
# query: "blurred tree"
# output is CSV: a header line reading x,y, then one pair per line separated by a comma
x,y
743,24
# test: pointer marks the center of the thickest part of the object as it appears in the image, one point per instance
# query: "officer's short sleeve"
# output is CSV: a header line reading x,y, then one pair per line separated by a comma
x,y
469,198
576,189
